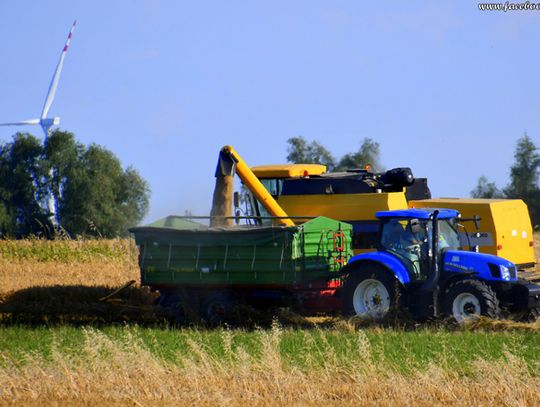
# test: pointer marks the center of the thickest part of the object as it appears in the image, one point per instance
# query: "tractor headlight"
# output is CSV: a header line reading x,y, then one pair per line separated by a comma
x,y
505,273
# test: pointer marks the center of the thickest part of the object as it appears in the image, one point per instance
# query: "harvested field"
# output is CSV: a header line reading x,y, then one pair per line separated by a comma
x,y
42,263
62,340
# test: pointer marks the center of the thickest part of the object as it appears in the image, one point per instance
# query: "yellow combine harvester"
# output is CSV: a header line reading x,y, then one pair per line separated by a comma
x,y
354,196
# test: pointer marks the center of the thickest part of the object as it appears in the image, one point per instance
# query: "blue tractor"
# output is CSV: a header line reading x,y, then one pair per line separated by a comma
x,y
419,266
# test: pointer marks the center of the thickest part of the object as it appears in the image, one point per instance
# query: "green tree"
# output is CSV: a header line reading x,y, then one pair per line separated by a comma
x,y
369,153
524,172
100,198
486,189
93,194
524,177
23,186
300,151
61,153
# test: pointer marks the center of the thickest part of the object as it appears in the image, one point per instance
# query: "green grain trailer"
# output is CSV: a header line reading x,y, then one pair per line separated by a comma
x,y
213,269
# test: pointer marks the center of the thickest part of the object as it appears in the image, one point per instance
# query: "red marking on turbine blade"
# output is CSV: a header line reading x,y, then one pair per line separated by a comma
x,y
70,35
65,48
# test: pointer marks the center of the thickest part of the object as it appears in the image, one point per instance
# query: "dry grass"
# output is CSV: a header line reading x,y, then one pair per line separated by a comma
x,y
39,263
124,371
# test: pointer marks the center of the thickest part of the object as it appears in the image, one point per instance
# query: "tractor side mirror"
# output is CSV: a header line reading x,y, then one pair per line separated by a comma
x,y
236,199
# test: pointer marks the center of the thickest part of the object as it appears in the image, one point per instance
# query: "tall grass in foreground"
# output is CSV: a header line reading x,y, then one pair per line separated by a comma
x,y
129,370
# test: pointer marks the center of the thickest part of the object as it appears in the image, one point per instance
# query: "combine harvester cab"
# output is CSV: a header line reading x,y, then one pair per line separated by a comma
x,y
420,266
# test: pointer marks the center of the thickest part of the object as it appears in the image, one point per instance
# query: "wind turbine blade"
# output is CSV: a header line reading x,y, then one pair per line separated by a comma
x,y
22,123
54,83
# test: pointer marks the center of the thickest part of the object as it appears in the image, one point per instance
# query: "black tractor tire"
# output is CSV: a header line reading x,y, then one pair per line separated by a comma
x,y
371,294
533,315
467,299
219,307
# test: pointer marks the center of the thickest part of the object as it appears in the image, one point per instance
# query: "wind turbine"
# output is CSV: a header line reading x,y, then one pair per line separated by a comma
x,y
47,122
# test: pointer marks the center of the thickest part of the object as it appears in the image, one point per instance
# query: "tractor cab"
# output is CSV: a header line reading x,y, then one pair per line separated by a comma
x,y
408,235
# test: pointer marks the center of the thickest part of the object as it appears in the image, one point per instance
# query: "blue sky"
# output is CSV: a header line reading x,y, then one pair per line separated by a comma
x,y
444,88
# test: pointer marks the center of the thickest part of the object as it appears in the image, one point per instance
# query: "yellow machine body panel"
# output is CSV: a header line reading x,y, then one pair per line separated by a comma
x,y
345,207
357,209
505,226
288,170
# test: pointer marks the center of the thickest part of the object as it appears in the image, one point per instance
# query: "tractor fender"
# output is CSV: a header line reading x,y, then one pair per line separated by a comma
x,y
454,277
390,263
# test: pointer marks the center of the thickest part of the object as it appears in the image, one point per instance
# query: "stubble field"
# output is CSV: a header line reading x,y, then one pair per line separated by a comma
x,y
65,340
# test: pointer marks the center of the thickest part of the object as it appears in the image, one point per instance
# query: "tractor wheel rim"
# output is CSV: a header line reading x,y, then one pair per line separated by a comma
x,y
465,307
371,299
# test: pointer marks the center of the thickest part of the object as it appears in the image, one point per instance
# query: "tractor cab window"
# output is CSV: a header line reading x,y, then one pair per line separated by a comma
x,y
408,240
448,236
411,241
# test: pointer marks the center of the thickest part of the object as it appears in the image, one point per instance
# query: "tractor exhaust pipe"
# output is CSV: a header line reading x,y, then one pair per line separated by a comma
x,y
429,298
435,263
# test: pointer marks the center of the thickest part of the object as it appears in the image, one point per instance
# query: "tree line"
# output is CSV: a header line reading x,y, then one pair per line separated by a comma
x,y
299,150
92,194
523,173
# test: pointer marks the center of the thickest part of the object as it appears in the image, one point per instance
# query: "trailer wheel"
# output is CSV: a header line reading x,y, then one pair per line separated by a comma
x,y
468,299
369,295
219,307
175,305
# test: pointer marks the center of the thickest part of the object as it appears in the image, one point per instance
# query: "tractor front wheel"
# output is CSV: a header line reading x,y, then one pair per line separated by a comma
x,y
467,299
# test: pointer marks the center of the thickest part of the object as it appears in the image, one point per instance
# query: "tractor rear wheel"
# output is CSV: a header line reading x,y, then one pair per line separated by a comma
x,y
468,299
370,295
